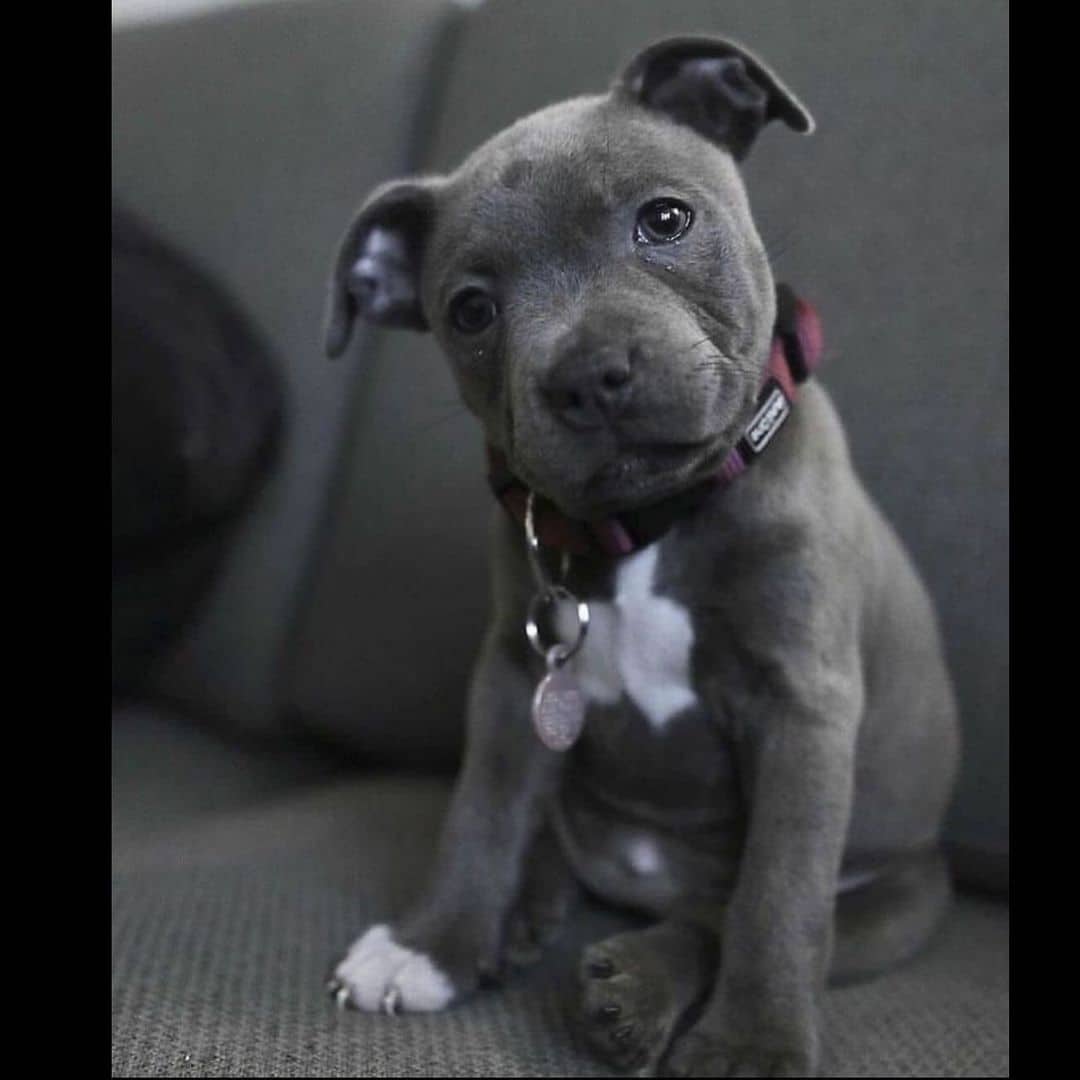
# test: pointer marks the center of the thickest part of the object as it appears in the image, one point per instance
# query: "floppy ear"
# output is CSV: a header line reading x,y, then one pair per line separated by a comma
x,y
376,274
716,87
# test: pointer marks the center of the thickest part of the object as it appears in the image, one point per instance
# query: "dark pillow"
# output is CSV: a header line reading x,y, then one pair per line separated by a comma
x,y
196,419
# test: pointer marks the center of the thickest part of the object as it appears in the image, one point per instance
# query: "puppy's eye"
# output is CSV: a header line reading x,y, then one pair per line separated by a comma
x,y
663,221
472,310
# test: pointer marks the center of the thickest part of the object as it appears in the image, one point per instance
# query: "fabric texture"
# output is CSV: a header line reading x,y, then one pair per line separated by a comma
x,y
241,883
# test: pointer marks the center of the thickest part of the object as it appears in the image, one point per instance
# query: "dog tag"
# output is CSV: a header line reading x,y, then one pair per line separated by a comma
x,y
558,706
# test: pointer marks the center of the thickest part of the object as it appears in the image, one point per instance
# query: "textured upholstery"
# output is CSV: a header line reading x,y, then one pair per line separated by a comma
x,y
243,136
892,219
243,883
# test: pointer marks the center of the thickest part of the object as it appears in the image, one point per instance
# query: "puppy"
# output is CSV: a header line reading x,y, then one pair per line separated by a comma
x,y
770,738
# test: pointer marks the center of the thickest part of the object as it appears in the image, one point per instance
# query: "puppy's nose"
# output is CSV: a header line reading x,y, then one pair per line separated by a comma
x,y
588,390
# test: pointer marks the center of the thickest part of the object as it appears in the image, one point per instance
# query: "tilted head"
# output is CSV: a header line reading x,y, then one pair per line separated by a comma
x,y
594,275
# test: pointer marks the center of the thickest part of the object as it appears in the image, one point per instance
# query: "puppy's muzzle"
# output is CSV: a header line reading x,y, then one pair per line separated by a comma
x,y
587,389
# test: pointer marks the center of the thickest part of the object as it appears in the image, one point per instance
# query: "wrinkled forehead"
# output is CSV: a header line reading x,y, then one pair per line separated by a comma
x,y
546,184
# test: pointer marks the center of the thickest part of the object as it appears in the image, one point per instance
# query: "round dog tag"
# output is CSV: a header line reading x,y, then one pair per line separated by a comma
x,y
558,709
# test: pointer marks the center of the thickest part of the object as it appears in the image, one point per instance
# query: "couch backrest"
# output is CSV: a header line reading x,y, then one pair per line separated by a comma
x,y
246,136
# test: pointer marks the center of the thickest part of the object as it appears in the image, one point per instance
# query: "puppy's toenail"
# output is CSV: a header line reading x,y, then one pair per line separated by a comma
x,y
391,1000
601,969
609,1011
623,1033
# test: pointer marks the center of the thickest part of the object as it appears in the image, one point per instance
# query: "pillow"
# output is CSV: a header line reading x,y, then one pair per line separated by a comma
x,y
197,407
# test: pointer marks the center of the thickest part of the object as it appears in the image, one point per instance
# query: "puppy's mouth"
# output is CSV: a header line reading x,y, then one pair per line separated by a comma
x,y
646,473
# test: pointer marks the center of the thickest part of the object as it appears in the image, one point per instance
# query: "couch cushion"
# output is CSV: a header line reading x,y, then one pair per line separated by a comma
x,y
245,135
892,219
226,921
169,771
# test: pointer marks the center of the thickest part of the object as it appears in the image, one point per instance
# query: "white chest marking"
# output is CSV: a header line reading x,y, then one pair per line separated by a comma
x,y
638,644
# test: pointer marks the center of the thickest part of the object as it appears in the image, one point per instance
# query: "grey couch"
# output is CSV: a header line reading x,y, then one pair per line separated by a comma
x,y
279,781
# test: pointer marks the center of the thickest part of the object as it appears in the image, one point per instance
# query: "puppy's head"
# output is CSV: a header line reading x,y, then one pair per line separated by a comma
x,y
594,276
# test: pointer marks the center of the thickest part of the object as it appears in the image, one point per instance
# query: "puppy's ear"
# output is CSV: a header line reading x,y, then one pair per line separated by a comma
x,y
377,272
716,87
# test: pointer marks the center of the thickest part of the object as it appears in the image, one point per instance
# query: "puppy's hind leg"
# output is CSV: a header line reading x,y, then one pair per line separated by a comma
x,y
888,920
639,987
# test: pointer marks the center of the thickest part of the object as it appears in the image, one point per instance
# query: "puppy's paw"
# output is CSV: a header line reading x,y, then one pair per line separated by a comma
x,y
635,990
698,1053
380,975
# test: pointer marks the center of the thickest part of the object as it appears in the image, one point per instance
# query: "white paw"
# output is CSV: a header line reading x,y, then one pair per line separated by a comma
x,y
379,975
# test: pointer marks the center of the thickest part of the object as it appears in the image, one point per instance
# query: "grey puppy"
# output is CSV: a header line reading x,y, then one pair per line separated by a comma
x,y
771,735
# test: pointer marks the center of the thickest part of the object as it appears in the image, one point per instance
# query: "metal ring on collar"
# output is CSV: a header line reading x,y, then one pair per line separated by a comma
x,y
532,547
554,594
530,525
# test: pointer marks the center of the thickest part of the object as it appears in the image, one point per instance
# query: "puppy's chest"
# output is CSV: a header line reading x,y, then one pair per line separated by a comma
x,y
639,645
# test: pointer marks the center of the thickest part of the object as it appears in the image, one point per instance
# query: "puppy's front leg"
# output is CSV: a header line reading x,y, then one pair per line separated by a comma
x,y
763,1018
451,938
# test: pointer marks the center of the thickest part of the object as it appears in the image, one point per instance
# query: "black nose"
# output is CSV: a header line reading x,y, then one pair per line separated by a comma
x,y
588,390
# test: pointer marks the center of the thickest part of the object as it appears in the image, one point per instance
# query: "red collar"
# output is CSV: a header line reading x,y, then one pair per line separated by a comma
x,y
795,355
